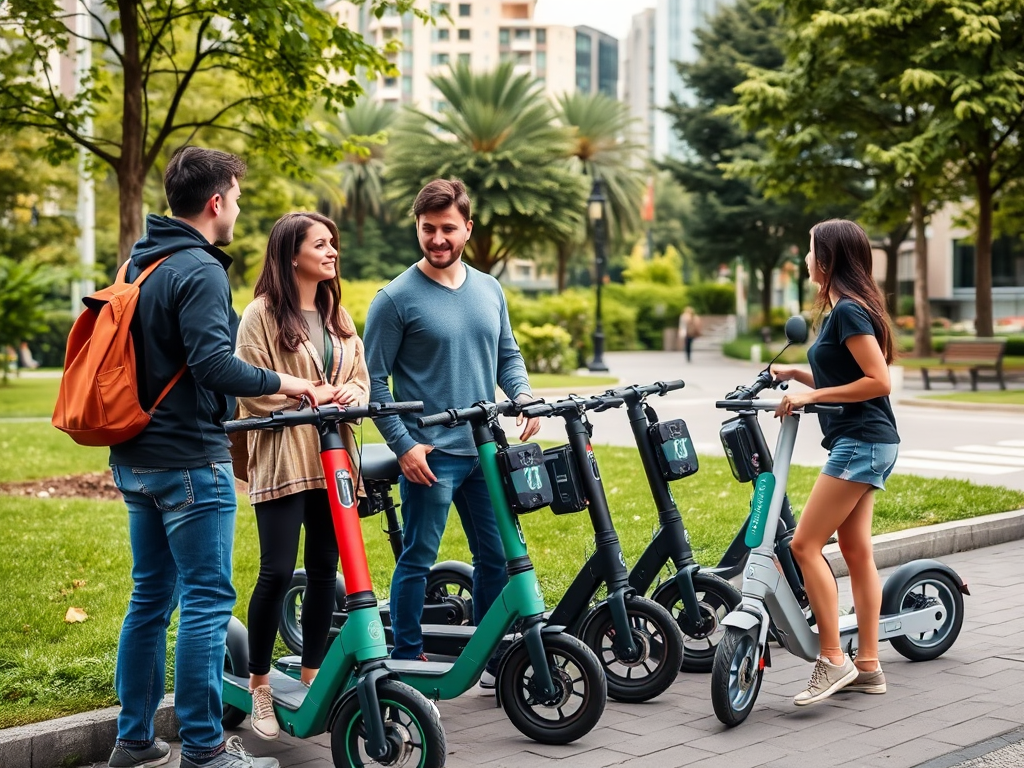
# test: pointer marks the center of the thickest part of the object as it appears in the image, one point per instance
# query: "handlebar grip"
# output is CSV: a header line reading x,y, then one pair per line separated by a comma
x,y
406,406
605,403
745,403
438,419
672,386
819,408
243,425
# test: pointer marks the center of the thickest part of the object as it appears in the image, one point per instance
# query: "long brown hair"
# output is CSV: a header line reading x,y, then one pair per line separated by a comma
x,y
843,253
277,282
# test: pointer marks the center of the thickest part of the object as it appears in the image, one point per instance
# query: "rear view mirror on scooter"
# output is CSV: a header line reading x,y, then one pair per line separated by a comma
x,y
796,330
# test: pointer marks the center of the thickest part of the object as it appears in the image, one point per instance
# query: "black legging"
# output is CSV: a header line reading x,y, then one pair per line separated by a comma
x,y
279,521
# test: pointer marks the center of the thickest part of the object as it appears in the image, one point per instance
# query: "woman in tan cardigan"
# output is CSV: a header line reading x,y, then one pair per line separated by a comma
x,y
296,324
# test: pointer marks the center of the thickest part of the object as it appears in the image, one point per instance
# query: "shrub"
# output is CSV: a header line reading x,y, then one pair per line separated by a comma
x,y
546,348
657,307
712,298
49,346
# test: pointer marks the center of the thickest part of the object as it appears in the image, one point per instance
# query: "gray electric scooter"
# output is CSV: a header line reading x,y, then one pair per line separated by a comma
x,y
922,601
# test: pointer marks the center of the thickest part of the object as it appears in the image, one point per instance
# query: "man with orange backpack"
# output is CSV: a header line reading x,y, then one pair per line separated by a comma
x,y
175,475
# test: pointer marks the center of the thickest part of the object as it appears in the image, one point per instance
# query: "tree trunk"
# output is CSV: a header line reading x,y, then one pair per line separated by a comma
x,y
766,295
479,251
131,170
564,251
983,325
922,312
892,288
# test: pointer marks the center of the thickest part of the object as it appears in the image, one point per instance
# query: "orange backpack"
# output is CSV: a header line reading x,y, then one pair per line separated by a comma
x,y
98,402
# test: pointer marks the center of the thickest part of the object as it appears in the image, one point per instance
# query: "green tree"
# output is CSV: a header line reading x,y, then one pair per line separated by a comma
x,y
599,126
497,134
285,54
730,217
25,286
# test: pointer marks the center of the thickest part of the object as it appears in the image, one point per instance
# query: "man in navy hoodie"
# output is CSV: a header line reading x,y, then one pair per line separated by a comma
x,y
176,475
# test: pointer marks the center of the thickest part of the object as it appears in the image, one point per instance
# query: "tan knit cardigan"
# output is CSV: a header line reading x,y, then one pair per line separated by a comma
x,y
282,462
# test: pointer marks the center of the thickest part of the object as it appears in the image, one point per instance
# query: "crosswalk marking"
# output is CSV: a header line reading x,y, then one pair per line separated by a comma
x,y
964,457
1012,443
991,450
949,466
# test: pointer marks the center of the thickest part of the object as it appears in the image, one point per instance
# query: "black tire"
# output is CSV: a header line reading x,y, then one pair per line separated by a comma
x,y
577,674
448,580
716,598
236,662
411,725
290,627
735,676
928,588
659,643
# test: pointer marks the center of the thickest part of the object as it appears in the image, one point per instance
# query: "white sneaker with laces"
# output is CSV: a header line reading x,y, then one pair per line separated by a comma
x,y
487,681
826,679
263,719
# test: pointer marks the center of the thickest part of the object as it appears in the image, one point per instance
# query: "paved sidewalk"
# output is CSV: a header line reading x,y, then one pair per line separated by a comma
x,y
972,694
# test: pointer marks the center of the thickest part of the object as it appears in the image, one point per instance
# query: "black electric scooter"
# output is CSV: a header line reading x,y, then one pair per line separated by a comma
x,y
697,597
636,639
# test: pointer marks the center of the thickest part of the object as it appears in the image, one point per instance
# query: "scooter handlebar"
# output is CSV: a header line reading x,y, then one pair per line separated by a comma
x,y
764,405
572,405
476,412
321,414
657,388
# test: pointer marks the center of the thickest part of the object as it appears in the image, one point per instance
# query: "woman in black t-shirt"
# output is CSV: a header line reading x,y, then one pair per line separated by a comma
x,y
849,364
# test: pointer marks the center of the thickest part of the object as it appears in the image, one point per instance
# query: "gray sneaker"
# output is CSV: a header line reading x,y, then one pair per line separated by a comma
x,y
826,679
233,756
158,753
868,682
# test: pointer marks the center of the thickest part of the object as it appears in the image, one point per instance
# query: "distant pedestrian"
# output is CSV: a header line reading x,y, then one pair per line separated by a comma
x,y
689,329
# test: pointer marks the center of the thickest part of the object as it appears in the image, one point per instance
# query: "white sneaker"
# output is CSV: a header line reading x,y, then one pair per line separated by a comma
x,y
826,679
487,682
263,719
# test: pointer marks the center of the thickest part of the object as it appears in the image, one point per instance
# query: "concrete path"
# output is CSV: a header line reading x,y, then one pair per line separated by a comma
x,y
933,709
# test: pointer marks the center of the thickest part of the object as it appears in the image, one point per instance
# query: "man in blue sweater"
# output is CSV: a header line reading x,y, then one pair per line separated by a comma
x,y
441,331
176,475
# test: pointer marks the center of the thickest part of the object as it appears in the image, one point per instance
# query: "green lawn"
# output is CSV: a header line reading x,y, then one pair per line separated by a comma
x,y
60,553
996,396
30,397
568,383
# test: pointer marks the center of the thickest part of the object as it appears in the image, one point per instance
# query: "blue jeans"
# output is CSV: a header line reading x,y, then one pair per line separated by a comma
x,y
181,523
424,514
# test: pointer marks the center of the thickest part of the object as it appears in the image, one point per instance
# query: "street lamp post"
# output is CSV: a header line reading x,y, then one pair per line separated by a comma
x,y
595,212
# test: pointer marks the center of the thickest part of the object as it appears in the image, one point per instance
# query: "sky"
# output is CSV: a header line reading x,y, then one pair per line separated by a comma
x,y
610,16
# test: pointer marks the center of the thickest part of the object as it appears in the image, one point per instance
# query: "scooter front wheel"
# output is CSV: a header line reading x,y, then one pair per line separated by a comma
x,y
412,728
716,598
659,650
735,676
580,691
930,588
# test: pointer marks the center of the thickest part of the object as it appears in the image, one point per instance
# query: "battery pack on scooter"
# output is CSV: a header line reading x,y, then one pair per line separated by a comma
x,y
527,484
739,449
568,490
674,448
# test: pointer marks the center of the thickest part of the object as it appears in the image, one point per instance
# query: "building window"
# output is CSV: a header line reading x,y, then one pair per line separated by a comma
x,y
463,10
406,61
436,9
1007,263
390,82
439,35
608,67
439,105
522,34
523,58
464,59
503,36
542,61
464,34
407,85
583,74
505,56
542,36
439,59
407,38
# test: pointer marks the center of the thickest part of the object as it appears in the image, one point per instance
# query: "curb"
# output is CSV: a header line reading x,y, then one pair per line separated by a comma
x,y
896,548
89,737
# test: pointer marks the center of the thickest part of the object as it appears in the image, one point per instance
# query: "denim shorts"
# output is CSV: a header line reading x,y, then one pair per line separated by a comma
x,y
870,463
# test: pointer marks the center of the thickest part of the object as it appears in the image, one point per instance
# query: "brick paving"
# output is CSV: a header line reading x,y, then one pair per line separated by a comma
x,y
933,710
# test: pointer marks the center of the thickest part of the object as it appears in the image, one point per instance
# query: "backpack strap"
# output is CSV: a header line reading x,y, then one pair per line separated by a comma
x,y
167,389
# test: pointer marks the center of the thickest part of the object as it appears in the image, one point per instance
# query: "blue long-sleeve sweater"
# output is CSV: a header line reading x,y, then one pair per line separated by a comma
x,y
446,347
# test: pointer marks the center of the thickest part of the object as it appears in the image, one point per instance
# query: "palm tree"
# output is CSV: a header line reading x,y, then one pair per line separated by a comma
x,y
599,126
360,190
497,133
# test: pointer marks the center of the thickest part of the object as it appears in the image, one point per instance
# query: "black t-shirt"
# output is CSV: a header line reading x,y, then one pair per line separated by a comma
x,y
833,365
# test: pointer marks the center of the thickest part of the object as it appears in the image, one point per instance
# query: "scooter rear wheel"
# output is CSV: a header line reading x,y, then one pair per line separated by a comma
x,y
659,643
579,681
236,662
290,627
735,676
412,728
928,588
716,598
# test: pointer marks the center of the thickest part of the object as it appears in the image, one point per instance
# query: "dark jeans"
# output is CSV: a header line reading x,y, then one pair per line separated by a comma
x,y
424,513
279,521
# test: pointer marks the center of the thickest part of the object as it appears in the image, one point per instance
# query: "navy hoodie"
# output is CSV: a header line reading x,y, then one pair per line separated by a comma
x,y
184,315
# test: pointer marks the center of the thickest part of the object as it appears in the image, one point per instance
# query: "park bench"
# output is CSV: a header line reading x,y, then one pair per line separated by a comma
x,y
971,355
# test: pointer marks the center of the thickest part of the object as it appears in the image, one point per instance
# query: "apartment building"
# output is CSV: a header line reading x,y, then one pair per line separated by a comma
x,y
638,75
597,62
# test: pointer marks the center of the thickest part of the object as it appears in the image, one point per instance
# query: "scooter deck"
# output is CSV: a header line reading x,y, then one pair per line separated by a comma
x,y
288,692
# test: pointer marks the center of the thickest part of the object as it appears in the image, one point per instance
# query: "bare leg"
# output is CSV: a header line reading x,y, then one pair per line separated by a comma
x,y
855,544
831,502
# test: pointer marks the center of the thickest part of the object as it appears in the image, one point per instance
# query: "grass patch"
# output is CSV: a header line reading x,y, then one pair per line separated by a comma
x,y
998,397
739,348
61,553
28,397
38,450
570,382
